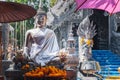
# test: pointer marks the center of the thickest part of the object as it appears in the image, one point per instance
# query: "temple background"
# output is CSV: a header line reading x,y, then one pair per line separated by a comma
x,y
108,29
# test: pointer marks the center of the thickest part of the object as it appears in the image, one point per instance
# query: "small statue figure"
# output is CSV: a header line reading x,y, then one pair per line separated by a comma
x,y
10,52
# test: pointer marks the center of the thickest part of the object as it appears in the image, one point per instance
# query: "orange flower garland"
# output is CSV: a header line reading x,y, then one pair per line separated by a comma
x,y
25,67
49,71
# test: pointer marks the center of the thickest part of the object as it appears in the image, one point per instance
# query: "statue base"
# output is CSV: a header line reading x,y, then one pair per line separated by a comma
x,y
88,69
89,66
1,77
13,74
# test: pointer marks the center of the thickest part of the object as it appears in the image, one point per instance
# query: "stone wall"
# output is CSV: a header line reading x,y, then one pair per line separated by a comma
x,y
101,39
115,44
114,35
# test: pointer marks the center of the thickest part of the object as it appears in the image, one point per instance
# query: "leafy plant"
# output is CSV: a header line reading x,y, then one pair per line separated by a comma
x,y
53,2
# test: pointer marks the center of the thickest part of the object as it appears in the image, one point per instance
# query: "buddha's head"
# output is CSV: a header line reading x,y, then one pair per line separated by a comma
x,y
40,18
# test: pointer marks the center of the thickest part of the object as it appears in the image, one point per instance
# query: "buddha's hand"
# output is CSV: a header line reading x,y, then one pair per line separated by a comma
x,y
25,53
63,55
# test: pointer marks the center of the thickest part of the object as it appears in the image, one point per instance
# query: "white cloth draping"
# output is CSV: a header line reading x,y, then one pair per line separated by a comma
x,y
41,45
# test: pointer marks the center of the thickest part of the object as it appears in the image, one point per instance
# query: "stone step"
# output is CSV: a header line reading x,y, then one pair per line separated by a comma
x,y
109,63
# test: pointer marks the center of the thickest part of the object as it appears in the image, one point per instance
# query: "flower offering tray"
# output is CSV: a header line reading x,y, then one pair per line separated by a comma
x,y
43,78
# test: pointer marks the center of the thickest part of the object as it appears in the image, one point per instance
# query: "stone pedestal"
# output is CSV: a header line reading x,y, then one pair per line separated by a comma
x,y
2,77
5,65
89,66
12,74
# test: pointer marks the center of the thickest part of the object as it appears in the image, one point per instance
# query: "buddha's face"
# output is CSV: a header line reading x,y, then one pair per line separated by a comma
x,y
41,21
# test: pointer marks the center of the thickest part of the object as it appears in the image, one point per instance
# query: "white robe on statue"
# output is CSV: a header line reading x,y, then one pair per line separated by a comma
x,y
43,46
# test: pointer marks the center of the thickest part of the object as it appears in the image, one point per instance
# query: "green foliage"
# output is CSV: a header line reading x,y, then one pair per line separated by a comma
x,y
19,35
18,1
52,2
